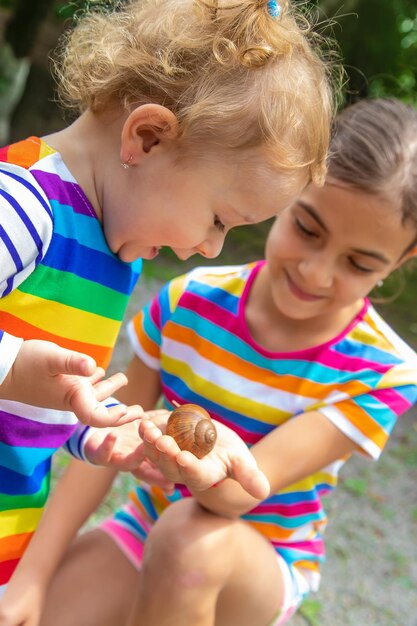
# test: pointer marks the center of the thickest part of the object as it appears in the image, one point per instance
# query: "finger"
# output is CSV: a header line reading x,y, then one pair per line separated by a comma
x,y
250,478
63,361
105,388
199,474
103,454
148,431
150,474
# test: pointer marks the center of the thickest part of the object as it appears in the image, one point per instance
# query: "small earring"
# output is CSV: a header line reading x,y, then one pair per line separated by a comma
x,y
380,283
126,164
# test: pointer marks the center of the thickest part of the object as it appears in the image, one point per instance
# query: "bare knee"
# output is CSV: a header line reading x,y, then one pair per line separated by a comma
x,y
190,545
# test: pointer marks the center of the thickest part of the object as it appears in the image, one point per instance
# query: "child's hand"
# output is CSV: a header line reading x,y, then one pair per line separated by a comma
x,y
49,376
230,458
121,447
23,606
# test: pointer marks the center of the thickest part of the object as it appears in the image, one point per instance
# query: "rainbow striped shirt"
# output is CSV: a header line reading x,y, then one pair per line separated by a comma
x,y
60,282
194,332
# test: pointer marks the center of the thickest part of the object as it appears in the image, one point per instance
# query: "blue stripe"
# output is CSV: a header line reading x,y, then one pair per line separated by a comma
x,y
217,295
31,188
23,460
85,229
67,255
23,216
14,484
11,248
126,520
363,351
150,328
289,522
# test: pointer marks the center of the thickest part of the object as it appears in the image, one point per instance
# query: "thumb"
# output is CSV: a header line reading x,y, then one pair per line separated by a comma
x,y
250,478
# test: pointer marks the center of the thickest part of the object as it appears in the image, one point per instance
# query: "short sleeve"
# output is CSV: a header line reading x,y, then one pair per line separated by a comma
x,y
145,329
25,226
369,418
9,347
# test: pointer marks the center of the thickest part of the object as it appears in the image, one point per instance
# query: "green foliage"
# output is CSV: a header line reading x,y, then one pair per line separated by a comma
x,y
378,40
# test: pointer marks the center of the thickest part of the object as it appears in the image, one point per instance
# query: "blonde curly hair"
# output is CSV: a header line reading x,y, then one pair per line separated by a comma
x,y
234,76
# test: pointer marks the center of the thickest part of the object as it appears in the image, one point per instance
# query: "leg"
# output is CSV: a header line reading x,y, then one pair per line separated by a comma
x,y
205,570
94,585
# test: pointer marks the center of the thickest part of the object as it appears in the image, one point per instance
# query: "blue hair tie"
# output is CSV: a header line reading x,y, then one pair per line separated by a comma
x,y
274,9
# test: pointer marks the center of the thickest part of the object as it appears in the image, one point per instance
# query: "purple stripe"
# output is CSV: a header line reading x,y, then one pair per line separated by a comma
x,y
19,431
64,192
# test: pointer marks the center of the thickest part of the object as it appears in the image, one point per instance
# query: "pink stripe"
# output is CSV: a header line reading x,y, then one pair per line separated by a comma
x,y
132,510
393,399
290,510
127,542
208,310
340,361
155,313
313,546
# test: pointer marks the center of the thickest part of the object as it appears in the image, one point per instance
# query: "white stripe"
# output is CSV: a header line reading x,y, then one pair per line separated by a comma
x,y
239,385
9,347
341,422
404,350
15,228
38,414
53,164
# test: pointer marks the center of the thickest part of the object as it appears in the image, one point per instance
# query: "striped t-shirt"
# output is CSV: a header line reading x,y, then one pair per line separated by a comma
x,y
59,281
194,332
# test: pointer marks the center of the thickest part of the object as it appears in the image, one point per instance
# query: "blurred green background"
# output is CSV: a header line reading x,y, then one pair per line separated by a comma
x,y
378,47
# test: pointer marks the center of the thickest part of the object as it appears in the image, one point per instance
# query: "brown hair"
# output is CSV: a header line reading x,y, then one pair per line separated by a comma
x,y
374,148
234,76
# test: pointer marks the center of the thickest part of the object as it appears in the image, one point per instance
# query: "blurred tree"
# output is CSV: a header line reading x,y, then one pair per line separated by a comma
x,y
378,40
23,20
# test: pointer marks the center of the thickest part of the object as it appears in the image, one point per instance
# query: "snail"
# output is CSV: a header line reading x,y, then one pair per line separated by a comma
x,y
192,428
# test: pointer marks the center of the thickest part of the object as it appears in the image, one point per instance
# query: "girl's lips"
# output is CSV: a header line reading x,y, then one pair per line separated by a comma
x,y
300,293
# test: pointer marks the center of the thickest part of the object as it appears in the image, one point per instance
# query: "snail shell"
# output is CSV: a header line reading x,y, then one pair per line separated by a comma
x,y
192,428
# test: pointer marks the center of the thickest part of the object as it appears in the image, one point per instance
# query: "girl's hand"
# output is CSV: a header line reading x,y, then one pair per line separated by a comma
x,y
22,606
230,458
49,376
121,448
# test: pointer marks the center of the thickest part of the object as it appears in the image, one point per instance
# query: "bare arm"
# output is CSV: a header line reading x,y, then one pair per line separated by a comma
x,y
290,453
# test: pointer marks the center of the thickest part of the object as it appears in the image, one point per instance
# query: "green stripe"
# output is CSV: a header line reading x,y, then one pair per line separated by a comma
x,y
31,501
79,293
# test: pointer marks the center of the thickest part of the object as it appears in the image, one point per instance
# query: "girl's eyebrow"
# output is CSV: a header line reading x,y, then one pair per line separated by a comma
x,y
310,210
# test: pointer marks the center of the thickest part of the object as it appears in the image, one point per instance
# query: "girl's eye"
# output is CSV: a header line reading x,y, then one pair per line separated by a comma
x,y
218,224
304,230
360,268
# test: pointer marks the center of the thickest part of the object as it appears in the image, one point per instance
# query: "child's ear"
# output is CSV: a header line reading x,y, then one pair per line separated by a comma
x,y
147,126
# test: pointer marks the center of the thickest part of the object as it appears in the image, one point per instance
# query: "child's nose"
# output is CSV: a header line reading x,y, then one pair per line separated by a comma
x,y
317,271
212,246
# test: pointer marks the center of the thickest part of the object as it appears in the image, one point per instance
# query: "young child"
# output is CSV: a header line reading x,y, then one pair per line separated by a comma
x,y
290,355
187,110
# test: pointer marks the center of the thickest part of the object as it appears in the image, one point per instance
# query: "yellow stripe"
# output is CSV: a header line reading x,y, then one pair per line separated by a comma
x,y
60,319
45,150
231,401
19,521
